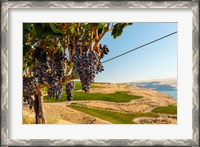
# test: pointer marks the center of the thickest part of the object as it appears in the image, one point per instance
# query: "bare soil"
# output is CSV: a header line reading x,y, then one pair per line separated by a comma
x,y
65,115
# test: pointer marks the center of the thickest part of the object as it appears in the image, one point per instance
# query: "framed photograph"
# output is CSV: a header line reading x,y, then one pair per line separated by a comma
x,y
99,73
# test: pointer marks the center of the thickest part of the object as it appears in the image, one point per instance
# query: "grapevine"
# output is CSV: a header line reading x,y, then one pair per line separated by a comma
x,y
56,54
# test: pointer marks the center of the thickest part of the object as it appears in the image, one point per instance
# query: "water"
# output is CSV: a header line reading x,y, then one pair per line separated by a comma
x,y
172,93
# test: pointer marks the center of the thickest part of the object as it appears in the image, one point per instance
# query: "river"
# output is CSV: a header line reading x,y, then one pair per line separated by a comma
x,y
172,93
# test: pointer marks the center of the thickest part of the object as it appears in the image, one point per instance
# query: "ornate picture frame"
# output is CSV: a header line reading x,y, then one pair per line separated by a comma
x,y
5,130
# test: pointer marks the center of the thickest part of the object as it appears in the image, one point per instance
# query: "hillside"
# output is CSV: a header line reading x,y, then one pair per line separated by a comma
x,y
157,84
134,105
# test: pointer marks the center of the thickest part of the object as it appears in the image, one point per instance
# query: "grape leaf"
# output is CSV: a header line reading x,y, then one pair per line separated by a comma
x,y
118,29
39,29
72,30
26,26
54,29
26,48
29,63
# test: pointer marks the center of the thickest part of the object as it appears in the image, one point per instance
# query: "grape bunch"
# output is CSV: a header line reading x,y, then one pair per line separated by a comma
x,y
86,66
104,50
55,90
99,67
40,55
49,69
29,84
39,70
57,65
57,71
69,90
83,46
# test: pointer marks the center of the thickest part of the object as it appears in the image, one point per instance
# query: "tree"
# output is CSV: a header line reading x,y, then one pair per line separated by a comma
x,y
54,54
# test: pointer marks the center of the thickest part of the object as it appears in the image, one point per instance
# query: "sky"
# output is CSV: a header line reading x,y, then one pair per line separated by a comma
x,y
155,61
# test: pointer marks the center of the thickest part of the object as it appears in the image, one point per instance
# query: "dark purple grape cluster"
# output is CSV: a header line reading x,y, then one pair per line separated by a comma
x,y
41,65
49,69
29,84
69,90
40,55
57,65
87,66
99,68
55,91
85,48
104,50
56,71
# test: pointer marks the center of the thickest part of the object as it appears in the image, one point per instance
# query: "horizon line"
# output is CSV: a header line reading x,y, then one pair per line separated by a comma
x,y
141,80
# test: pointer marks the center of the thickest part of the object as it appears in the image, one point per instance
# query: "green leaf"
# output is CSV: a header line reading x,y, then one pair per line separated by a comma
x,y
61,50
54,29
102,25
72,30
26,26
48,32
59,45
29,63
127,24
24,68
26,48
39,29
45,25
101,30
118,29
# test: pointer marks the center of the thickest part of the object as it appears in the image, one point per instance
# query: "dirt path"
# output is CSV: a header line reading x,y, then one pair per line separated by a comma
x,y
62,121
159,120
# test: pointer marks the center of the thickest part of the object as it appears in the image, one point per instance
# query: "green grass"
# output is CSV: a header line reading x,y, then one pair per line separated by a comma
x,y
101,83
78,86
52,100
113,117
171,109
119,96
